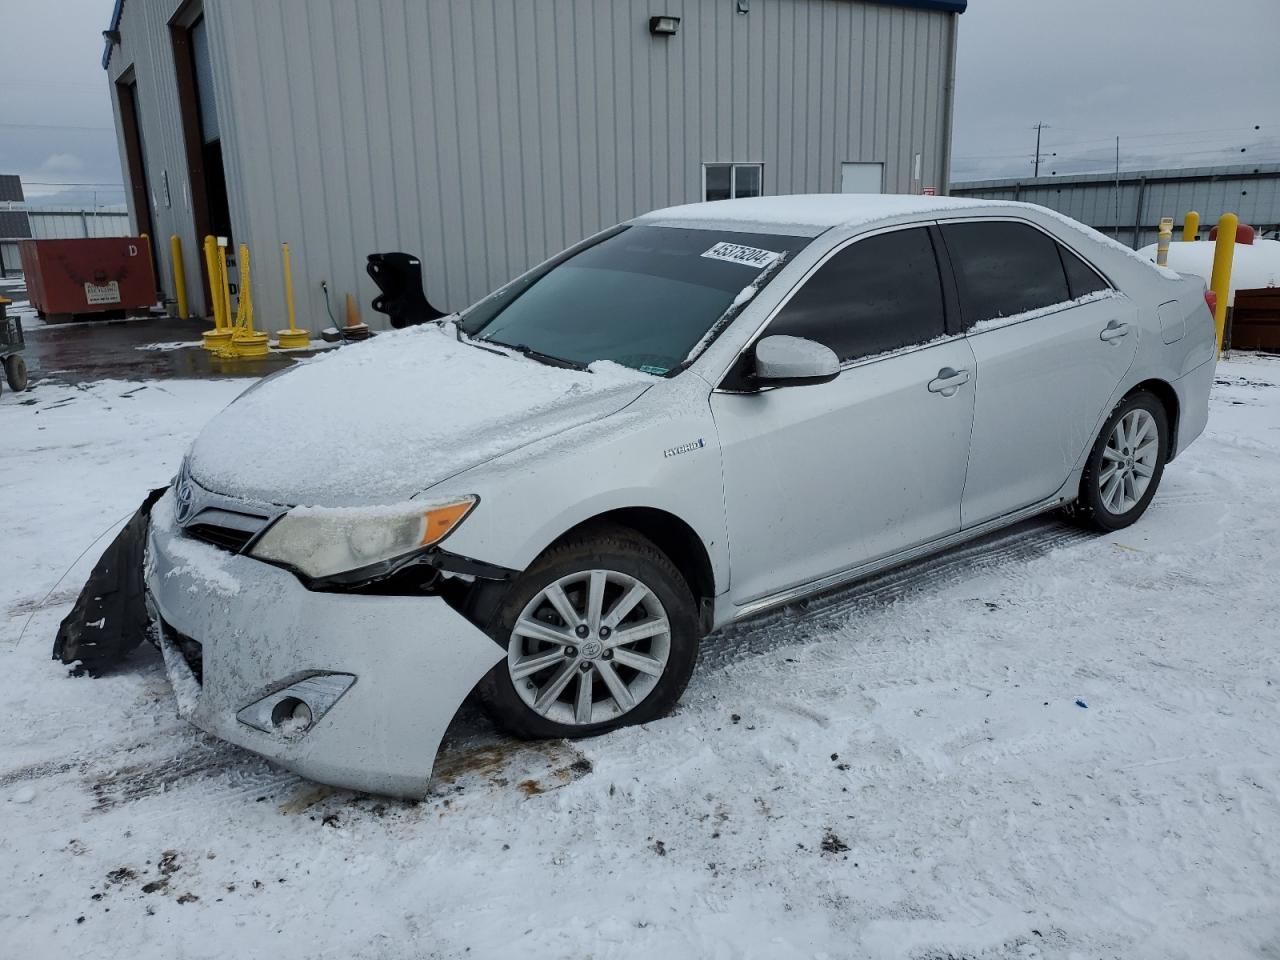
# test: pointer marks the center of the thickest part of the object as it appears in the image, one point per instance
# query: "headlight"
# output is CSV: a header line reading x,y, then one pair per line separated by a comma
x,y
325,541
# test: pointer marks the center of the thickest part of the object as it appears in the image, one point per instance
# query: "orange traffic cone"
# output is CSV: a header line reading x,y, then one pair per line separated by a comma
x,y
355,329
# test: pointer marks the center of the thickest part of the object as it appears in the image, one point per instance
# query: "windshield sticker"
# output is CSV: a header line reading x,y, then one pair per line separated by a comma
x,y
744,256
656,371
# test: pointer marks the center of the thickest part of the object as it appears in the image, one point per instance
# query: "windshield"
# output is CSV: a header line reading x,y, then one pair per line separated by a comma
x,y
643,297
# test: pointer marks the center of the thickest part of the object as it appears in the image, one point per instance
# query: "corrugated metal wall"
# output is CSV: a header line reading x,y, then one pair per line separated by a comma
x,y
1252,191
69,224
146,53
485,135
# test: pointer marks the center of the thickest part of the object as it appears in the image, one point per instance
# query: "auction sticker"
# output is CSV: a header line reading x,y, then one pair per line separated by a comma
x,y
746,256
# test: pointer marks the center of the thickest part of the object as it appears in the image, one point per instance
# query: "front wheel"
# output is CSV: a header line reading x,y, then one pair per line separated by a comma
x,y
1125,465
15,371
601,632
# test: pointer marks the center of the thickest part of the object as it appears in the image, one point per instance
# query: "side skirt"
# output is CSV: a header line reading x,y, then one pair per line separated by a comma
x,y
831,581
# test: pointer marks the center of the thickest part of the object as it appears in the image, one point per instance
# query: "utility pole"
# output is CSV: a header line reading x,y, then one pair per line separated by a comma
x,y
1039,128
1116,232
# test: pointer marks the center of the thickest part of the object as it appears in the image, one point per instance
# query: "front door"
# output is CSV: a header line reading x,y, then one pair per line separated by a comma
x,y
822,478
1047,364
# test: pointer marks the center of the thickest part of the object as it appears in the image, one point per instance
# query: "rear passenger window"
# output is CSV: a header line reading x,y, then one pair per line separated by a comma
x,y
1003,269
1082,279
875,295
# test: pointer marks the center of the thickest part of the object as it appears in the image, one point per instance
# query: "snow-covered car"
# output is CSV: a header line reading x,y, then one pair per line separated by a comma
x,y
695,416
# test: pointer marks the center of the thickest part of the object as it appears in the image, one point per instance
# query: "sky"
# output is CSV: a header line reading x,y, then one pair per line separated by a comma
x,y
1088,69
55,103
1147,71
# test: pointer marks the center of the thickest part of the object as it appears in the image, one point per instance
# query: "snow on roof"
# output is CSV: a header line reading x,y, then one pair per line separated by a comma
x,y
809,212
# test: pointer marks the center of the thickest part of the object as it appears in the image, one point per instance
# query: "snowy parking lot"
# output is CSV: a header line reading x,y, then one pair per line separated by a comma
x,y
1046,744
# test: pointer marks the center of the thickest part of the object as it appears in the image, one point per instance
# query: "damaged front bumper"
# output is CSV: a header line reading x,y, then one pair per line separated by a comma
x,y
350,690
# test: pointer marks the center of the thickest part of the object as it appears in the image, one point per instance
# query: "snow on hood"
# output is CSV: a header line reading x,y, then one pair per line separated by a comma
x,y
380,421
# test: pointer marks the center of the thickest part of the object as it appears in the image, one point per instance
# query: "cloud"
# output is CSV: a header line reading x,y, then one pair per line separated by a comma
x,y
61,164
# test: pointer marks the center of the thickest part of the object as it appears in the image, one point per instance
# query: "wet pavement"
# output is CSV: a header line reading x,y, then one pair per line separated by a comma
x,y
146,348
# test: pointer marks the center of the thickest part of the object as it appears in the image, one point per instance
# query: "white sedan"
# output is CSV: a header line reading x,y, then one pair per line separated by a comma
x,y
682,421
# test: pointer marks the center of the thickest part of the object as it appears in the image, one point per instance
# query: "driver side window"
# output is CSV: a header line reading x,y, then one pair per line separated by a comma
x,y
876,295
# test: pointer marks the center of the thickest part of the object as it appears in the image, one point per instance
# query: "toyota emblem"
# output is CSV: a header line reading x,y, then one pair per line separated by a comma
x,y
183,495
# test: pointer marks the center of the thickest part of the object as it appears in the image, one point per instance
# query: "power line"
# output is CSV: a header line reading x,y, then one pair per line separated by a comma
x,y
1145,146
53,126
1172,138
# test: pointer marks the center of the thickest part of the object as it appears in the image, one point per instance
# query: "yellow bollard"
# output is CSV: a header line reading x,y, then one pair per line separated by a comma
x,y
1190,226
245,341
293,338
219,338
224,282
1163,238
179,275
1220,283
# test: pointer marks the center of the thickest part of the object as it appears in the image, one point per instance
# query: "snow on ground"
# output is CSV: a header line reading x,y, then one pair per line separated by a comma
x,y
15,289
1046,745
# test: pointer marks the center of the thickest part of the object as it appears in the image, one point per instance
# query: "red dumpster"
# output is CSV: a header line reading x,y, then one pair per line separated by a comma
x,y
67,278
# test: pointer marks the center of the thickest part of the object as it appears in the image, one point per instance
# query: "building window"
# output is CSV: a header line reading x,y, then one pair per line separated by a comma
x,y
728,181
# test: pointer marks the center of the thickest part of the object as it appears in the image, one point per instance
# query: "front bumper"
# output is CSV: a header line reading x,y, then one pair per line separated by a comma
x,y
414,660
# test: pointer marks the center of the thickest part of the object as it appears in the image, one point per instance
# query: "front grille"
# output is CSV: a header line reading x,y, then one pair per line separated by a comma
x,y
224,537
223,527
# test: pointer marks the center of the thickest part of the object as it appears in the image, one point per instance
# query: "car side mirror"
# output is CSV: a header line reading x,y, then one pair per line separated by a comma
x,y
783,361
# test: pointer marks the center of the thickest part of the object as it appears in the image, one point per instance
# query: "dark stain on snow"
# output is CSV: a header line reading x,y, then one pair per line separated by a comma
x,y
122,875
832,843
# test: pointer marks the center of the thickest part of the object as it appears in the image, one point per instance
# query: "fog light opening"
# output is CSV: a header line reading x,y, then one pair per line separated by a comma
x,y
291,716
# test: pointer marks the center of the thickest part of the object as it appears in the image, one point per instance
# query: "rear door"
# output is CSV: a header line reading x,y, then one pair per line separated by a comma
x,y
823,477
1052,340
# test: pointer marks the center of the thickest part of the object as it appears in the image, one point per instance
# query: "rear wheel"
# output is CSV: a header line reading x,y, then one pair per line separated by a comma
x,y
1125,465
601,632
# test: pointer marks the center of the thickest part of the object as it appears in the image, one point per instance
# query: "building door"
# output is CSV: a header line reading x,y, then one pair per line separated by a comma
x,y
201,130
862,178
135,159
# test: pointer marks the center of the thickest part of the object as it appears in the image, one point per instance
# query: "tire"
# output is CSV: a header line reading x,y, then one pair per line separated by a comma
x,y
1109,502
15,371
619,559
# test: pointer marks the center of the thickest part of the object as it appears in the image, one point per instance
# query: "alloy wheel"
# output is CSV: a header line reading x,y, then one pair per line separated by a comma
x,y
589,647
1128,461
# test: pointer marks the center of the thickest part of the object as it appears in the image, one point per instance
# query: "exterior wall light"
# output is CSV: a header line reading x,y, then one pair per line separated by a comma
x,y
664,26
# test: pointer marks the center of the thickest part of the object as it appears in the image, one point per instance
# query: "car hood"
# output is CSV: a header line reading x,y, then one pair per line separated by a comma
x,y
381,421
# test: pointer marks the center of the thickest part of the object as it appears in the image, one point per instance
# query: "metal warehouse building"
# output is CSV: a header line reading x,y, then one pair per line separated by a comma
x,y
486,135
1129,207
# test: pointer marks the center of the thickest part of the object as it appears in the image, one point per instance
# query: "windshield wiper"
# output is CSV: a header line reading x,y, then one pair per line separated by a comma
x,y
527,351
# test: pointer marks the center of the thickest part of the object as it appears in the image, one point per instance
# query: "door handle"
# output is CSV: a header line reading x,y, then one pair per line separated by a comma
x,y
948,381
1114,331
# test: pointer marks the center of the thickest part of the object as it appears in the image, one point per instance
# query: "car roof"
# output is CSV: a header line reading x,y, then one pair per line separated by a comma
x,y
807,214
